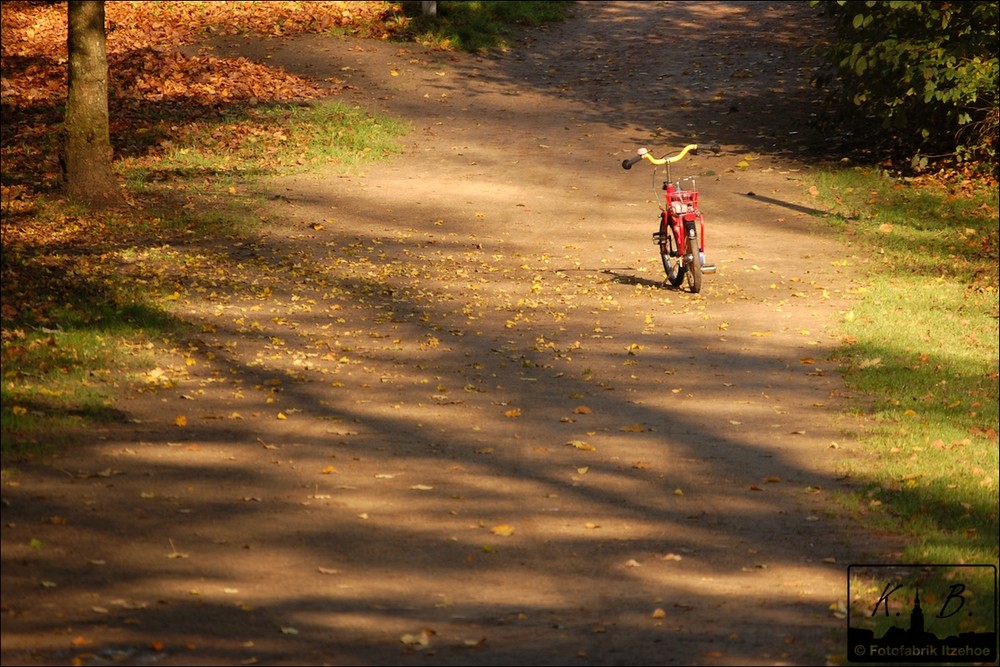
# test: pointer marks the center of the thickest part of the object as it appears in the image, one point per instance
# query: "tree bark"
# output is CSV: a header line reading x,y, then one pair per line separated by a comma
x,y
87,149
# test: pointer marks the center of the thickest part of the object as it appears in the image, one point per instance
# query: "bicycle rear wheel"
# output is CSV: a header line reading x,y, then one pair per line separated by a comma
x,y
673,263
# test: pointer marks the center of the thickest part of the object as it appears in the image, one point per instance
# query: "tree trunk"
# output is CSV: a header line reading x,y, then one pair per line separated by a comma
x,y
87,149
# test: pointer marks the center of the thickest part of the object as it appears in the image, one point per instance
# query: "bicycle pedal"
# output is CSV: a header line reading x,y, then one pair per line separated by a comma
x,y
708,268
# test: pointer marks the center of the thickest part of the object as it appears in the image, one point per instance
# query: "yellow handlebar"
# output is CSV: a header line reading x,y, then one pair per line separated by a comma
x,y
664,160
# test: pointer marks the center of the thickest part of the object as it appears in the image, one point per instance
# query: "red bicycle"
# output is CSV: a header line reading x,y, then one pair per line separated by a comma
x,y
681,236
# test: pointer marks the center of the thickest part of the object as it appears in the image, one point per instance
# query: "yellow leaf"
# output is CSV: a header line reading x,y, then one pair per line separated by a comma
x,y
678,492
172,297
19,410
580,444
503,530
181,420
423,639
807,360
282,415
659,613
327,470
513,412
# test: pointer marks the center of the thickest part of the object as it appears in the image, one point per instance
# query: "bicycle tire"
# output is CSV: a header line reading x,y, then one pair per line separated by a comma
x,y
673,263
694,270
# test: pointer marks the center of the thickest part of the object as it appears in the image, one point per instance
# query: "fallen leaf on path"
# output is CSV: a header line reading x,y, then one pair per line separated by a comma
x,y
580,444
420,640
503,530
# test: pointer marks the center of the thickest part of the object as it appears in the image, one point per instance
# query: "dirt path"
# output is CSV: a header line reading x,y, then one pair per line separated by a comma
x,y
445,412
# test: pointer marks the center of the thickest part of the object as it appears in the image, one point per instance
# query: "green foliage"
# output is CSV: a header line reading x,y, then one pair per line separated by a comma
x,y
920,75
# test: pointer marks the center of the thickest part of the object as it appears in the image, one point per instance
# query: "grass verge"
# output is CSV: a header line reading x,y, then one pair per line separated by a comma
x,y
86,294
479,26
921,344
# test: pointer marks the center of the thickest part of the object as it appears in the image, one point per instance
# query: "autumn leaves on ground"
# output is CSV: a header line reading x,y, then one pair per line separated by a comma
x,y
435,409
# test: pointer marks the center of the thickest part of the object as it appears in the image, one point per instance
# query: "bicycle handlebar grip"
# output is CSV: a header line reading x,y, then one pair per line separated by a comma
x,y
627,164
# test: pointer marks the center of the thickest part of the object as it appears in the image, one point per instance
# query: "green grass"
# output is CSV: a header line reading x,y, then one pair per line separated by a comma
x,y
920,343
245,142
480,26
58,381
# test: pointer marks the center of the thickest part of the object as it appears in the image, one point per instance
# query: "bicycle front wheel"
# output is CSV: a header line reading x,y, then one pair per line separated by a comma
x,y
694,264
673,262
